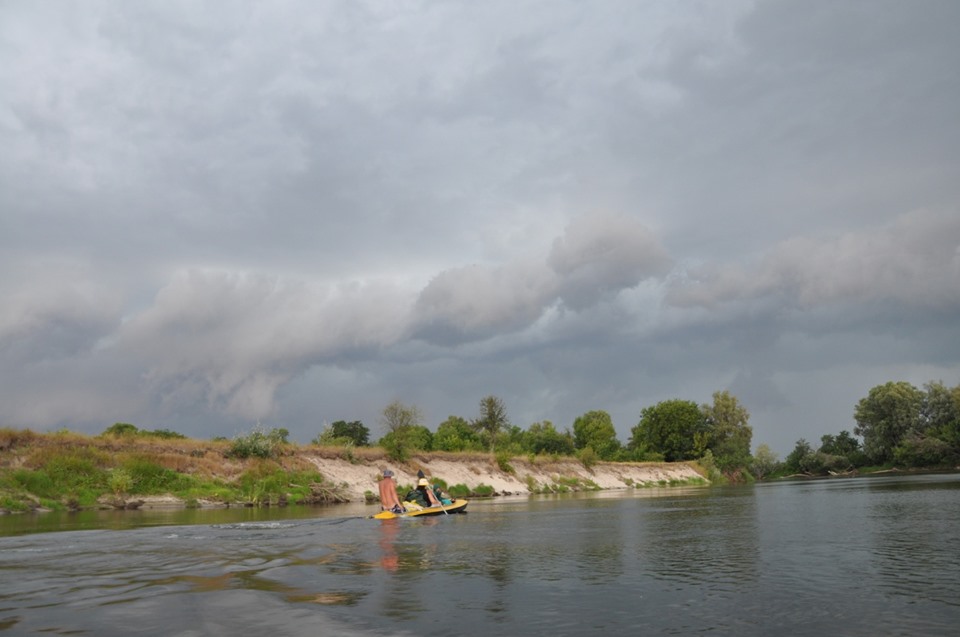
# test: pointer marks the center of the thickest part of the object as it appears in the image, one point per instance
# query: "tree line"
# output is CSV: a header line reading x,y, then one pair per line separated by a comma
x,y
900,425
896,424
672,430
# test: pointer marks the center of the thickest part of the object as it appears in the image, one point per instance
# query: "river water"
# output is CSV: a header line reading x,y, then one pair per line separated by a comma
x,y
862,556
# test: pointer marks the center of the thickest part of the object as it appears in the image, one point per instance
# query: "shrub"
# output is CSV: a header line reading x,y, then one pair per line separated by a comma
x,y
483,491
588,457
258,444
120,481
459,491
120,429
503,461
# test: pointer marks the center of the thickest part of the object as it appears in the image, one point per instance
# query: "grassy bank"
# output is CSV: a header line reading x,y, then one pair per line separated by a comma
x,y
67,470
124,466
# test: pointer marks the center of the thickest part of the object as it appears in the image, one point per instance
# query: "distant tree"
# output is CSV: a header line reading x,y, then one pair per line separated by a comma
x,y
456,434
941,412
164,433
342,433
121,429
670,427
799,460
885,416
400,442
917,450
595,429
843,444
543,438
764,462
493,418
729,431
396,415
355,431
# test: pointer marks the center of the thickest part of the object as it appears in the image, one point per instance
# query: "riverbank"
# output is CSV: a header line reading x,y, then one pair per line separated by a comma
x,y
66,470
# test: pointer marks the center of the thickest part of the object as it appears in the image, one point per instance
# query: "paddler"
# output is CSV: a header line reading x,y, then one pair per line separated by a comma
x,y
389,500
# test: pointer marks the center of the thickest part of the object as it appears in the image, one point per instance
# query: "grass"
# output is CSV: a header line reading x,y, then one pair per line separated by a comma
x,y
64,470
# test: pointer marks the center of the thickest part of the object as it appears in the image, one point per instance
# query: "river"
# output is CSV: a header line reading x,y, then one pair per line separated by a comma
x,y
861,556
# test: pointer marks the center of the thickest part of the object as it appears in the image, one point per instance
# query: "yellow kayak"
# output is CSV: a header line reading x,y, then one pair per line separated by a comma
x,y
457,506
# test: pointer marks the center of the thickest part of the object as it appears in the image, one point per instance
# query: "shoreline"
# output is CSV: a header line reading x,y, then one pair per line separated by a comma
x,y
356,480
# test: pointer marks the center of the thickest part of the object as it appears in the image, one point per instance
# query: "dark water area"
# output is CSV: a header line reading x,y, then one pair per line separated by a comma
x,y
862,556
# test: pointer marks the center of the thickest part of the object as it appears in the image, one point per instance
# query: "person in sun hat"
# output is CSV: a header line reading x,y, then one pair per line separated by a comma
x,y
389,500
423,494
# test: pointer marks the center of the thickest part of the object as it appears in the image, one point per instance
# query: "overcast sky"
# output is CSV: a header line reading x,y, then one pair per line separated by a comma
x,y
224,213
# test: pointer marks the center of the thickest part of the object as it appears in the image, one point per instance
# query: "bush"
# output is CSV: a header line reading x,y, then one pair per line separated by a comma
x,y
148,477
120,429
503,462
459,491
588,457
258,444
917,451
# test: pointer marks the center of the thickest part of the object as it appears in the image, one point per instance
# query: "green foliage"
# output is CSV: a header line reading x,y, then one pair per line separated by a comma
x,y
258,443
729,433
120,429
941,413
164,433
924,451
459,491
542,438
764,462
148,477
709,466
503,462
342,433
120,481
588,457
483,491
395,446
595,430
400,442
670,427
493,418
885,416
456,434
803,459
397,416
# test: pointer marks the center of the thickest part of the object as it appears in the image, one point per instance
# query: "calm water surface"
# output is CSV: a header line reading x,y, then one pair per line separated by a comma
x,y
864,556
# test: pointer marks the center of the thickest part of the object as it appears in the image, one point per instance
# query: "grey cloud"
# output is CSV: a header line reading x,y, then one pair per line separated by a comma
x,y
598,256
54,309
914,260
602,254
232,339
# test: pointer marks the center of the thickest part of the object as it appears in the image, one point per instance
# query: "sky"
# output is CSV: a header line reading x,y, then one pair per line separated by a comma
x,y
215,216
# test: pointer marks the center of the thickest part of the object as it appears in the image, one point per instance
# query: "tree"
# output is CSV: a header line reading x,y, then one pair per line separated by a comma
x,y
799,460
344,433
354,431
670,427
121,429
396,415
543,438
843,444
941,412
493,418
595,429
764,462
455,434
886,416
729,432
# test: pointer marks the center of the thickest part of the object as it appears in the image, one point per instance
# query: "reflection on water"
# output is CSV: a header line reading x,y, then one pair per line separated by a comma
x,y
852,557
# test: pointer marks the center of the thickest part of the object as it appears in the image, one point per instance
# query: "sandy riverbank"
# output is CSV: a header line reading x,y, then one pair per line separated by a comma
x,y
361,477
